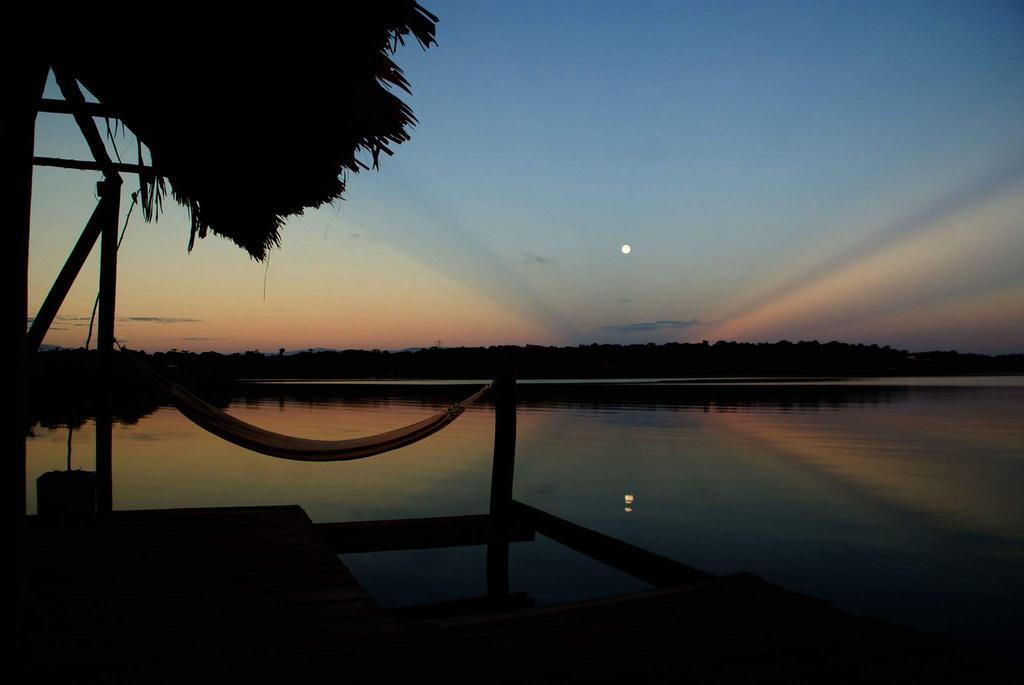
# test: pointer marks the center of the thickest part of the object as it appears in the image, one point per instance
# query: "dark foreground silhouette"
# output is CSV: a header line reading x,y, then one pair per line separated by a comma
x,y
238,593
258,592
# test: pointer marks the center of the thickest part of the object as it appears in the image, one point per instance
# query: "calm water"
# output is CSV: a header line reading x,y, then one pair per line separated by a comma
x,y
898,498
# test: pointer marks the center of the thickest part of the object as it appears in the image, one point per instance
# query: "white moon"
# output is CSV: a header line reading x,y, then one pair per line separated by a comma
x,y
626,249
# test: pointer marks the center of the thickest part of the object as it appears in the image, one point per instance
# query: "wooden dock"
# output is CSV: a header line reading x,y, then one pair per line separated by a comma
x,y
160,596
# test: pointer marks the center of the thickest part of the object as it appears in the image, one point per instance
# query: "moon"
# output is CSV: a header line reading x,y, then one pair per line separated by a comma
x,y
626,249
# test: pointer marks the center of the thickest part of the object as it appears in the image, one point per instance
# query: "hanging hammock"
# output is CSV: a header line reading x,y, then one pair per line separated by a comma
x,y
223,425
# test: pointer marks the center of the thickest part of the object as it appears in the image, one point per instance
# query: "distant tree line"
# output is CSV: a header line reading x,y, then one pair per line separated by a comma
x,y
805,358
63,381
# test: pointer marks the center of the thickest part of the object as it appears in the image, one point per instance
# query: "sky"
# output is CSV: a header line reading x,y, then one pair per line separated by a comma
x,y
781,170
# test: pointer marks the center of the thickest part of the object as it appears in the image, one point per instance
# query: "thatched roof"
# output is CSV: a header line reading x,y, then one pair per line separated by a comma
x,y
253,119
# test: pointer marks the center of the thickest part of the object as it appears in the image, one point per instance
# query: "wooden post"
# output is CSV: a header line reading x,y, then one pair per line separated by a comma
x,y
502,474
23,84
111,192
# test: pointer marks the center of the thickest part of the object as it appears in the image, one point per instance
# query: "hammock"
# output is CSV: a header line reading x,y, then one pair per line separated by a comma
x,y
223,425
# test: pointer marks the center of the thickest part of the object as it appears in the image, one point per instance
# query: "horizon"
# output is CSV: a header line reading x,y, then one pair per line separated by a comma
x,y
300,350
792,172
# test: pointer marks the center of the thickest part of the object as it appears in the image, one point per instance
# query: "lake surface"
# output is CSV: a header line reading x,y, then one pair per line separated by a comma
x,y
900,498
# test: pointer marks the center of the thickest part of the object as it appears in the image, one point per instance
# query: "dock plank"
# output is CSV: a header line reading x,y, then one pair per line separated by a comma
x,y
143,588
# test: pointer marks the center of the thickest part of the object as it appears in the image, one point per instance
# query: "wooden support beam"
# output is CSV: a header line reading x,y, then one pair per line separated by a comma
x,y
111,190
638,562
502,476
73,94
423,533
83,165
497,565
62,285
504,464
92,109
105,344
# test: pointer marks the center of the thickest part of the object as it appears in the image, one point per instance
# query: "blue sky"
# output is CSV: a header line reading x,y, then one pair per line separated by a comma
x,y
781,170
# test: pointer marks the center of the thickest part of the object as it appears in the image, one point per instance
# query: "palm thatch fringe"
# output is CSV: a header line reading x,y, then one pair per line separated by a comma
x,y
294,104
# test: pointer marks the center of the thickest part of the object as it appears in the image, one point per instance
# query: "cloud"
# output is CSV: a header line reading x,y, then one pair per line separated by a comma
x,y
531,258
60,317
158,319
83,321
142,319
649,326
199,338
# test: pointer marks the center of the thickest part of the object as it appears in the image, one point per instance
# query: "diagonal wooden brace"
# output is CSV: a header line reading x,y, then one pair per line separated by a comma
x,y
62,285
73,94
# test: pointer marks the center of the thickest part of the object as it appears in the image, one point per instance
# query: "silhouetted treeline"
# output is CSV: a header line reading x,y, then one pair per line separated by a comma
x,y
64,382
671,360
595,361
